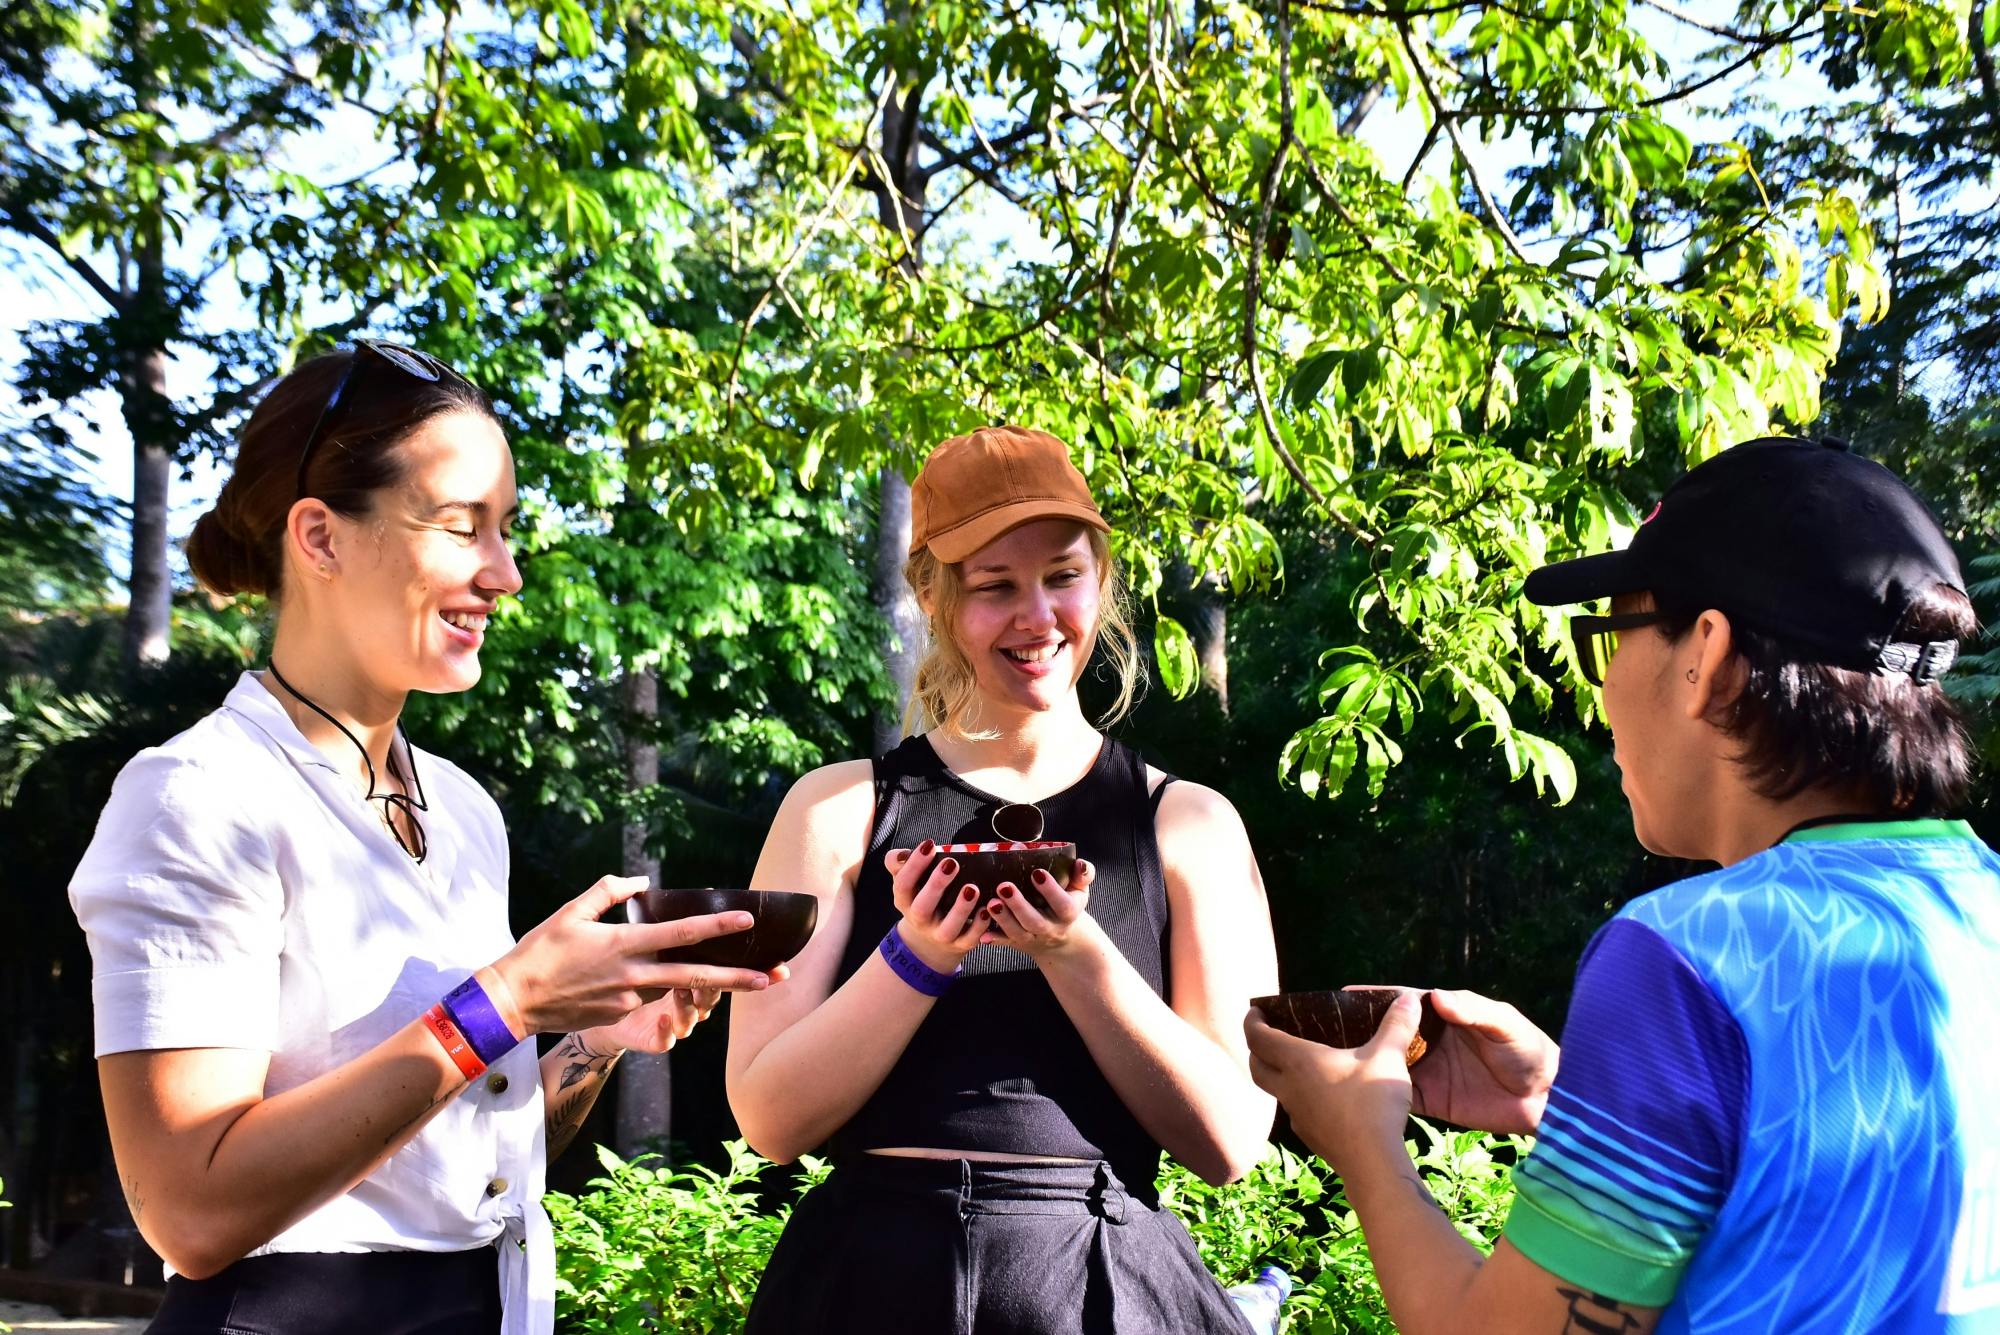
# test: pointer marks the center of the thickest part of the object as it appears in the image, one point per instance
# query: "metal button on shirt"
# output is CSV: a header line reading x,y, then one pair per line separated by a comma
x,y
496,1186
497,1082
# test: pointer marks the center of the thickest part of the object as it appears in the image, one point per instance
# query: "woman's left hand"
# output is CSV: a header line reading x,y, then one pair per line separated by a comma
x,y
1018,923
1347,1104
658,1025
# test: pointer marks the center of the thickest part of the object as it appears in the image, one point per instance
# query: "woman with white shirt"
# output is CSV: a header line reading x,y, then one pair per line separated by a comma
x,y
309,1008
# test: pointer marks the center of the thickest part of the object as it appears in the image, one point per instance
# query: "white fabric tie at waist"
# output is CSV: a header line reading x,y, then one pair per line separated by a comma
x,y
528,1273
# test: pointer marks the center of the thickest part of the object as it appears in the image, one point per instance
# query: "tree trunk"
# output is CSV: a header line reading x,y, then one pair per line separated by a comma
x,y
645,1079
1211,640
143,389
150,617
894,600
900,205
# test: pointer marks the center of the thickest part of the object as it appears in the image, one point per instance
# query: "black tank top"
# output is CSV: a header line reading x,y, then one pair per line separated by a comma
x,y
997,1065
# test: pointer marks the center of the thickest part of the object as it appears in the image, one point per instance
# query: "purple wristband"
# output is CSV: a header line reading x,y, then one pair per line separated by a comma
x,y
472,1011
912,970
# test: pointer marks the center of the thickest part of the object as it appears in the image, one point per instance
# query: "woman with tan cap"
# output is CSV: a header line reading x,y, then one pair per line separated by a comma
x,y
995,1084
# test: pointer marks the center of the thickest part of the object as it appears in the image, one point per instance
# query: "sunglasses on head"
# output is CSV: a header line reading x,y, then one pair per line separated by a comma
x,y
410,361
1596,639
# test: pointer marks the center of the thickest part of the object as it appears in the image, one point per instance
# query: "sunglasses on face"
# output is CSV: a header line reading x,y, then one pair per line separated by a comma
x,y
411,362
1596,639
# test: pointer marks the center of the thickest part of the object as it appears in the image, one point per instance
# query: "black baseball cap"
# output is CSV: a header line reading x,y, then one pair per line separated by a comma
x,y
1821,549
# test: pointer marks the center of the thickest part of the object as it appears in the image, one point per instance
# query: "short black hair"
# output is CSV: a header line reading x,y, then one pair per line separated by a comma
x,y
1900,743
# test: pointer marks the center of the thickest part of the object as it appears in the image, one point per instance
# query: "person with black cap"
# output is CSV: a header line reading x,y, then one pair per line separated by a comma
x,y
1773,1106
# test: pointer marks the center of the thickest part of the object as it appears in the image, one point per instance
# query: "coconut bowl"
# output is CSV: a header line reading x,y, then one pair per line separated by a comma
x,y
1346,1019
785,922
988,865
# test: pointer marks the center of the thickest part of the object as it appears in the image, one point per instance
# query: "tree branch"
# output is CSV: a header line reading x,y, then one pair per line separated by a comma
x,y
1253,266
1450,123
28,224
798,249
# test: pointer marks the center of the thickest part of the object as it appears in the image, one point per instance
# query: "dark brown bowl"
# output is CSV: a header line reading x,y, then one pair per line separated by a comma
x,y
785,922
988,865
1347,1019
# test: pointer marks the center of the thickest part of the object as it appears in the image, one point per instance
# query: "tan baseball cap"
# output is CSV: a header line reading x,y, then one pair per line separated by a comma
x,y
975,487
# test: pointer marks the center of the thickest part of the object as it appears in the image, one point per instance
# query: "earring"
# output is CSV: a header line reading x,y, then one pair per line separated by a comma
x,y
1690,676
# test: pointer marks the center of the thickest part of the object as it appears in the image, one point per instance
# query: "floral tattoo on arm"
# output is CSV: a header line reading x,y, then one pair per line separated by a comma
x,y
584,1070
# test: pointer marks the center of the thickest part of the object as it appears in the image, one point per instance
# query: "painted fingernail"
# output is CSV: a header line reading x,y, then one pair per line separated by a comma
x,y
949,866
925,847
1006,892
1041,874
970,892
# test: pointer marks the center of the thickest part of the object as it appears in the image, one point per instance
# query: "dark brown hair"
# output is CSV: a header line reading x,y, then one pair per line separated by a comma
x,y
1896,742
238,547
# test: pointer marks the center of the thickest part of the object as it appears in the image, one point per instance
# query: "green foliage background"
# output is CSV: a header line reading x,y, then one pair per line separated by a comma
x,y
729,271
654,1248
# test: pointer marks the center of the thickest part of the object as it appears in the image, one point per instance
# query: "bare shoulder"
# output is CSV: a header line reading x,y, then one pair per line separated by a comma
x,y
843,783
821,830
1195,809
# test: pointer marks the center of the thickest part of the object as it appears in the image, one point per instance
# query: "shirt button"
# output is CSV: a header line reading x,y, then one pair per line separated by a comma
x,y
497,1082
496,1186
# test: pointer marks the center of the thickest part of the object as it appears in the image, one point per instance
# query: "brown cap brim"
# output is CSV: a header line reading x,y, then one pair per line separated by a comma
x,y
963,539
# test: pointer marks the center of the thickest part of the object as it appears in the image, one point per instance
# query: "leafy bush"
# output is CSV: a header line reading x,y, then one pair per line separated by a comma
x,y
1289,1211
652,1249
665,1249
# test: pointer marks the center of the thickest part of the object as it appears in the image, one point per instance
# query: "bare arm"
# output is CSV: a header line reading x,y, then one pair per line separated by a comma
x,y
803,1058
1349,1105
576,1070
1182,1071
214,1168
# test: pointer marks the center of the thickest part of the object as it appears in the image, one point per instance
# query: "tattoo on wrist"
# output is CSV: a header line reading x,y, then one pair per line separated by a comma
x,y
1594,1314
581,1062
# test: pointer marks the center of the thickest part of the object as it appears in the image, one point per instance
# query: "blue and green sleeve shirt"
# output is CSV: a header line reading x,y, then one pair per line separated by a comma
x,y
1779,1100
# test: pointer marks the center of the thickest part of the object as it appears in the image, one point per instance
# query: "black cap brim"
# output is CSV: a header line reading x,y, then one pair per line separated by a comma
x,y
1585,579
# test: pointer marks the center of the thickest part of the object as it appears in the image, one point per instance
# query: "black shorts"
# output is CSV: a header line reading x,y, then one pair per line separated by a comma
x,y
340,1293
958,1247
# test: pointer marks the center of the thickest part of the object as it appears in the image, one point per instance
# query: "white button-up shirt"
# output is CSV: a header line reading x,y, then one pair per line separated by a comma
x,y
240,893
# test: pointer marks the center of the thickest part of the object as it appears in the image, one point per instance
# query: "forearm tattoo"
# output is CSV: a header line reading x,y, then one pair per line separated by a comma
x,y
584,1071
580,1061
1595,1314
134,1200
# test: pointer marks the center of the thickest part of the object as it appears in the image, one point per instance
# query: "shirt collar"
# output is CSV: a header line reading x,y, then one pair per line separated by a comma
x,y
255,703
1882,829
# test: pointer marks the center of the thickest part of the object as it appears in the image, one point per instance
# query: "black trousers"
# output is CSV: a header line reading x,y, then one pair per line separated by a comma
x,y
340,1293
959,1247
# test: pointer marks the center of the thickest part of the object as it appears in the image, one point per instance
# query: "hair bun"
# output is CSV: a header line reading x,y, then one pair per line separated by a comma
x,y
222,560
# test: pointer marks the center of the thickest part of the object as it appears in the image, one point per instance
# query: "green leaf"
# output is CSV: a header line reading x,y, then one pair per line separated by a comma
x,y
1173,648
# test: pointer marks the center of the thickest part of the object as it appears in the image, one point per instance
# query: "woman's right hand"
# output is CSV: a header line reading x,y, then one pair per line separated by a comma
x,y
573,972
917,879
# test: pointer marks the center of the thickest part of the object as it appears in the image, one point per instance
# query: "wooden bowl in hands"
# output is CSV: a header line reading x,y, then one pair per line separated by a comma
x,y
784,923
1347,1019
988,865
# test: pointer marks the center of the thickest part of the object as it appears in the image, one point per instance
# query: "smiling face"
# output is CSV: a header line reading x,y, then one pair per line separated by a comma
x,y
420,574
1028,613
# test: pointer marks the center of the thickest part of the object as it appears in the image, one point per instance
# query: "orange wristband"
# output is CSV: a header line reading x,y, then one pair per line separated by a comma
x,y
438,1021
